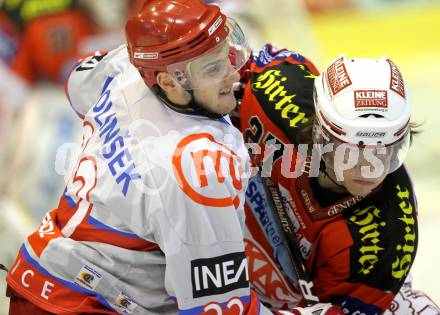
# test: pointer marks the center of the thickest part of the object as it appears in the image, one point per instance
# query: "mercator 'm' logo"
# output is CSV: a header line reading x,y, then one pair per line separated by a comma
x,y
214,159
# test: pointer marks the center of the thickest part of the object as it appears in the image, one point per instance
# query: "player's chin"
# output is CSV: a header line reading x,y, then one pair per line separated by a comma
x,y
361,188
227,103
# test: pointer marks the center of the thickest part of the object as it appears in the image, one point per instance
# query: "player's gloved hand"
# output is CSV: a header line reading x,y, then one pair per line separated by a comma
x,y
317,309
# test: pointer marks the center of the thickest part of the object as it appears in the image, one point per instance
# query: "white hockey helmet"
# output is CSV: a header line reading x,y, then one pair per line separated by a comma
x,y
363,102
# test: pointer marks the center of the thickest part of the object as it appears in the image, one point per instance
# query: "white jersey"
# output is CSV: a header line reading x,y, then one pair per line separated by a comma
x,y
151,219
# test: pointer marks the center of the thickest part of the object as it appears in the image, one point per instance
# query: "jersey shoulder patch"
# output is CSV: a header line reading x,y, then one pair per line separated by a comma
x,y
284,91
385,234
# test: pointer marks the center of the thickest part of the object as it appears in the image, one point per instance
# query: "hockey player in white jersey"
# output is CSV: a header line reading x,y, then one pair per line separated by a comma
x,y
151,219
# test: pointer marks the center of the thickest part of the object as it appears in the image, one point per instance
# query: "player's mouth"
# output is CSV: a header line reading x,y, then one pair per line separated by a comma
x,y
364,182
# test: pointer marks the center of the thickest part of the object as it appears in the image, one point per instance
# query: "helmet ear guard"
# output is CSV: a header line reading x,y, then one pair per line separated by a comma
x,y
363,103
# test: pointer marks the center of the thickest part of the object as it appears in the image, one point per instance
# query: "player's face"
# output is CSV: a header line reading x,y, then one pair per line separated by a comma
x,y
215,76
362,171
358,185
218,98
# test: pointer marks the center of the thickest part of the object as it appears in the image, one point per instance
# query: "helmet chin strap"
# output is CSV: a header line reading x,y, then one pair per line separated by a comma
x,y
192,108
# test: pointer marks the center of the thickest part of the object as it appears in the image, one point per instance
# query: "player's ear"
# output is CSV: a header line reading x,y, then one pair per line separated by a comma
x,y
174,92
167,83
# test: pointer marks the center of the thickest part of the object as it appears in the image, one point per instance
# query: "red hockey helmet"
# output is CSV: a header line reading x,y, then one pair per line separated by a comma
x,y
169,35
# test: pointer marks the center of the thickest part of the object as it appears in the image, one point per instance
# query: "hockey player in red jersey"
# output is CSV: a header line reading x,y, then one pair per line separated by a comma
x,y
38,41
151,219
331,185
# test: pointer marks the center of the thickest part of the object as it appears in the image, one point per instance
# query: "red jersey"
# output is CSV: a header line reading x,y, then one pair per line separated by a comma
x,y
358,251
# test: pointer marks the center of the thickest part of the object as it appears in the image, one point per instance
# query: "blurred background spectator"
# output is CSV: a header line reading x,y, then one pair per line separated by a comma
x,y
40,41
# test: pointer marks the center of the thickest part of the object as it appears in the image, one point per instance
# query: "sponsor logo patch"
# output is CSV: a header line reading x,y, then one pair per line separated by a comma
x,y
189,160
256,200
88,277
273,88
396,83
267,279
219,274
370,134
376,259
125,303
337,76
215,26
370,99
147,56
